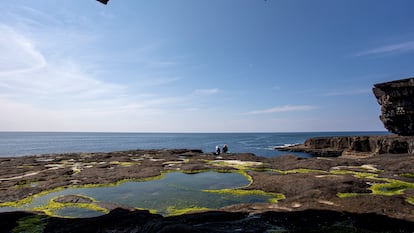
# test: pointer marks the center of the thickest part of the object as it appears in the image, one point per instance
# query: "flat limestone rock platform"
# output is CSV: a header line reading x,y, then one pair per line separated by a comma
x,y
380,188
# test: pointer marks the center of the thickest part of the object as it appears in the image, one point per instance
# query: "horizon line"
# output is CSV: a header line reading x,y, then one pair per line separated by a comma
x,y
189,132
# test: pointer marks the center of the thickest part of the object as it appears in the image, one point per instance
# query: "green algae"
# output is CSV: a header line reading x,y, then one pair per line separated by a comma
x,y
246,175
177,205
124,164
407,175
392,187
299,170
387,187
356,174
365,167
368,171
52,206
273,197
174,210
346,195
258,166
29,199
31,224
410,200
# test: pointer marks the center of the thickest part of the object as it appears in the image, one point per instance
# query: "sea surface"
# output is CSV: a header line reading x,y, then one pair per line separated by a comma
x,y
33,143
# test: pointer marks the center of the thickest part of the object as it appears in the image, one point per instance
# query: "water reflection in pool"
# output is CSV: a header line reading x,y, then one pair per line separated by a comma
x,y
175,191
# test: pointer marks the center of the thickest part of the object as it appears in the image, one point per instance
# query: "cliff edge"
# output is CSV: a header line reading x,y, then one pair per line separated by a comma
x,y
356,145
397,105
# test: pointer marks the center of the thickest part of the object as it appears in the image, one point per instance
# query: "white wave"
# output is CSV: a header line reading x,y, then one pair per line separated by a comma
x,y
286,145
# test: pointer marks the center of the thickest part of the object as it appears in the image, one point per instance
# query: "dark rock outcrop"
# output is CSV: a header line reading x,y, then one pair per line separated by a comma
x,y
121,220
355,145
397,105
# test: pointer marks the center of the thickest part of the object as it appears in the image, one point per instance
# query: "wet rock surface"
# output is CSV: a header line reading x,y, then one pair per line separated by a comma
x,y
397,105
73,199
321,194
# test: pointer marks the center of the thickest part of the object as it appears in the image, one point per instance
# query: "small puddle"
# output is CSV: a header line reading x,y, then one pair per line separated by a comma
x,y
167,196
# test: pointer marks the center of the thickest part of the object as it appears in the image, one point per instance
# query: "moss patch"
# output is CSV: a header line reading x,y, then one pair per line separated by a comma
x,y
410,200
273,197
346,195
31,224
52,206
392,187
368,175
299,170
407,175
173,210
124,164
29,199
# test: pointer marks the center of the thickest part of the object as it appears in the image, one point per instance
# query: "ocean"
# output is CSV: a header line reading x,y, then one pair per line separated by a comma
x,y
14,144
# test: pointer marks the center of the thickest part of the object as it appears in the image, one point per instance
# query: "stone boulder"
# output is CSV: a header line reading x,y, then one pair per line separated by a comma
x,y
397,105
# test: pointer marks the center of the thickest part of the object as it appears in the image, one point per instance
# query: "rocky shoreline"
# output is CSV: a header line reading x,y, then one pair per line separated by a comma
x,y
355,146
319,193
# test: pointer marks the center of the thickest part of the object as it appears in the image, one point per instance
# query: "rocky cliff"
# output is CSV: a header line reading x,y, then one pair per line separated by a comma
x,y
397,114
356,145
397,105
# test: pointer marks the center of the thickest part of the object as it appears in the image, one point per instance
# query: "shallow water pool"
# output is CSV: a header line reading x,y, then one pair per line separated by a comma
x,y
169,195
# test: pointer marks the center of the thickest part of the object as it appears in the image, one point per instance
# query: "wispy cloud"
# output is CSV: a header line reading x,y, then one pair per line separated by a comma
x,y
25,72
285,108
389,49
152,80
206,91
28,77
348,92
19,54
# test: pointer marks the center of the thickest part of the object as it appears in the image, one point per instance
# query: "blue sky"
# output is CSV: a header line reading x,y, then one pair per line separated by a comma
x,y
200,66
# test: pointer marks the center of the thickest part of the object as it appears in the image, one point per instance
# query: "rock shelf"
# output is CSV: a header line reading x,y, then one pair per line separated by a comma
x,y
318,193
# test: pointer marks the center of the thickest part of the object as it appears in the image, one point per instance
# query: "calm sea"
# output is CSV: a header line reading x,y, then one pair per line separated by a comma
x,y
31,143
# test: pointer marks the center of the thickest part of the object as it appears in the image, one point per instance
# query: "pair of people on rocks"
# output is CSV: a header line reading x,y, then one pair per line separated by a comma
x,y
225,149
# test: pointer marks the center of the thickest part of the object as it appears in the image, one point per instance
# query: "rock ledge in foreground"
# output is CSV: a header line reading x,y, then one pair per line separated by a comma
x,y
121,220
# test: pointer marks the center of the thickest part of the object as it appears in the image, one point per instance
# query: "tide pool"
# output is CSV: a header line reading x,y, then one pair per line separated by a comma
x,y
171,194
